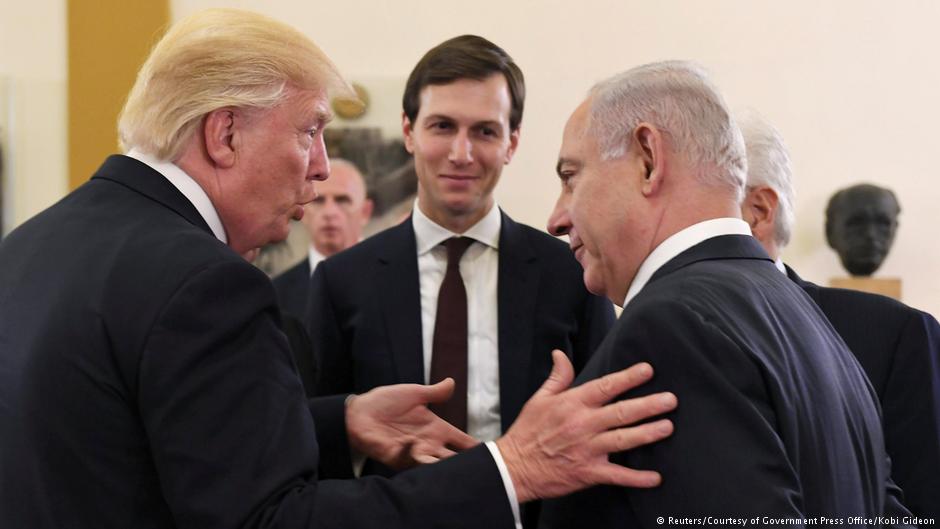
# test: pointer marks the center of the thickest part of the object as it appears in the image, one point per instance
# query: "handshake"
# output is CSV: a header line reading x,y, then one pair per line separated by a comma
x,y
559,444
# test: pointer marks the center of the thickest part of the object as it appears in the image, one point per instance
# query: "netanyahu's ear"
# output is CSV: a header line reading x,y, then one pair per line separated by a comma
x,y
219,133
759,210
650,148
406,131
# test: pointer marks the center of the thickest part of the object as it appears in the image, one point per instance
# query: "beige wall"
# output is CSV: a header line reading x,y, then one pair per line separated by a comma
x,y
851,84
32,74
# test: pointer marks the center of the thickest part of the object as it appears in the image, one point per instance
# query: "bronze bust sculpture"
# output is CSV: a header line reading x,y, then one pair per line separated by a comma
x,y
861,222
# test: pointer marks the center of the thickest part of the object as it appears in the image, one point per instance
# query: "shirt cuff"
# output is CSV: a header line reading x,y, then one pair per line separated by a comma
x,y
358,460
507,482
358,463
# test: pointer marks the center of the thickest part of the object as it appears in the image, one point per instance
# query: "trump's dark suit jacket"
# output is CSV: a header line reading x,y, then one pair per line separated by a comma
x,y
775,416
899,348
365,313
145,383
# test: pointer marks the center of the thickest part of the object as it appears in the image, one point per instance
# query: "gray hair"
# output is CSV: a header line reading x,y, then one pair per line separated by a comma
x,y
768,164
678,98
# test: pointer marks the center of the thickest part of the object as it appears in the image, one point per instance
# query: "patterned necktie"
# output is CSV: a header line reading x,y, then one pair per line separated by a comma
x,y
449,350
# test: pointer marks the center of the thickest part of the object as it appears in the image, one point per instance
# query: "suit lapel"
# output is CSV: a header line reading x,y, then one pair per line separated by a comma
x,y
399,292
810,288
516,297
142,178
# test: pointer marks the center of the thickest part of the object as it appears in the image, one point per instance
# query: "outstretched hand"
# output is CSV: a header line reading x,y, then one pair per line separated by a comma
x,y
562,438
393,425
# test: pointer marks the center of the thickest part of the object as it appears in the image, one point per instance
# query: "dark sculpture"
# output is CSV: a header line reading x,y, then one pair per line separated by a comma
x,y
860,225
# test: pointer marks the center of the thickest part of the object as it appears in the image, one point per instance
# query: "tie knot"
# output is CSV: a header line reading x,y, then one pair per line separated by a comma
x,y
456,246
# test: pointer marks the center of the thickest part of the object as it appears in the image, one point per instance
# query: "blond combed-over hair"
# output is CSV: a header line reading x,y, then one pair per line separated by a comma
x,y
214,59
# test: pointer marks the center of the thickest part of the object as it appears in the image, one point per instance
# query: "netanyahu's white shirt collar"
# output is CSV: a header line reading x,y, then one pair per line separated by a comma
x,y
188,187
429,234
680,242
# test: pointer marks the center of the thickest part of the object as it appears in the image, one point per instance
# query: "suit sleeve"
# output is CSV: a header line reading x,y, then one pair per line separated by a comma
x,y
911,409
703,465
233,441
596,320
334,373
329,414
723,414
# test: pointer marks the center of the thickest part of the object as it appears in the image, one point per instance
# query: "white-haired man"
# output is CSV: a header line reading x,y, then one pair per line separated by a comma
x,y
144,378
777,420
897,346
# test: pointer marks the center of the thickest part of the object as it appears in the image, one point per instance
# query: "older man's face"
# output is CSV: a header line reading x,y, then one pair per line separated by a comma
x,y
279,155
600,209
337,215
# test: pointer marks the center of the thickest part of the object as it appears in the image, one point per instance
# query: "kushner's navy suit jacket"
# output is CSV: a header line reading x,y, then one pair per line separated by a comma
x,y
293,287
145,382
365,314
899,348
775,416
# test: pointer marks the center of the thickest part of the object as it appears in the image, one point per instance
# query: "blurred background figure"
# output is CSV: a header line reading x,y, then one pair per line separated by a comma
x,y
334,222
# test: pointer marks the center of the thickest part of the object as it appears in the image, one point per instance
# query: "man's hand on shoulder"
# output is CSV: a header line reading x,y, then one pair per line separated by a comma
x,y
393,425
560,441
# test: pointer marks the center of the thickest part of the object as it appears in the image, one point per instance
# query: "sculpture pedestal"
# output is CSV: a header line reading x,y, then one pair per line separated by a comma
x,y
890,286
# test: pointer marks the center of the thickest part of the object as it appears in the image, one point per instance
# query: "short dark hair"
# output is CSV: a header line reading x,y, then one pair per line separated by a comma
x,y
465,57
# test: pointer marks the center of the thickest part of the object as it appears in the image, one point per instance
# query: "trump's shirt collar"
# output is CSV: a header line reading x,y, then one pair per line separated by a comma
x,y
680,242
188,187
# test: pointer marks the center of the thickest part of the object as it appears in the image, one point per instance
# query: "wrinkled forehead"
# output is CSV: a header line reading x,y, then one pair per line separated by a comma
x,y
575,132
311,103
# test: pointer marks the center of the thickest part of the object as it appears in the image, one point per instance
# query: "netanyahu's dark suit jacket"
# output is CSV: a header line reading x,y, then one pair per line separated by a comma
x,y
775,416
899,348
145,383
365,313
292,287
